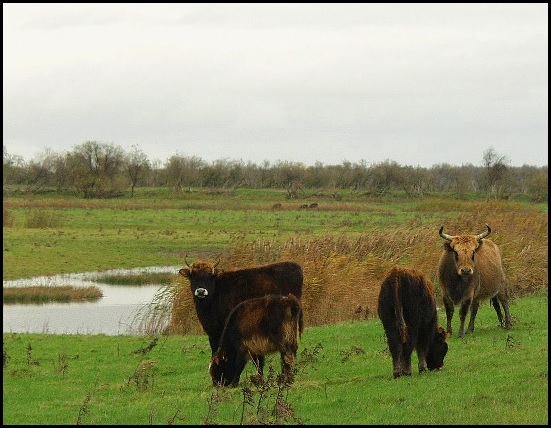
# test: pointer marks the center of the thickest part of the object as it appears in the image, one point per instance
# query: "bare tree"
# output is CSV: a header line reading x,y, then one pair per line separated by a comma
x,y
137,165
495,167
184,171
13,168
97,169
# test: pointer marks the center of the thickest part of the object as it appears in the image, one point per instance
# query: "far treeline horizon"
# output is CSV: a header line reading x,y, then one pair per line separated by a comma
x,y
99,170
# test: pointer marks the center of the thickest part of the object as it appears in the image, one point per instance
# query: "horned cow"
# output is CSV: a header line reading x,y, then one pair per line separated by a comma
x,y
470,270
256,327
407,309
216,292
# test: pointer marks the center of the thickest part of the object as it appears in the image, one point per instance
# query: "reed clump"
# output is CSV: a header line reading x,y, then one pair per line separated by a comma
x,y
42,294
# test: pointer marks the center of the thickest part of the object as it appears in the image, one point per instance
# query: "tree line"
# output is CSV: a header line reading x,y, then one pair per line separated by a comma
x,y
103,170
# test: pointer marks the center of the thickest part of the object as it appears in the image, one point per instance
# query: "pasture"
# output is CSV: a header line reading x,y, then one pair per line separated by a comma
x,y
346,245
343,376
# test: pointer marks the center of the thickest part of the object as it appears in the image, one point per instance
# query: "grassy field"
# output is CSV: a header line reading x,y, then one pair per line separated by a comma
x,y
346,244
51,234
344,376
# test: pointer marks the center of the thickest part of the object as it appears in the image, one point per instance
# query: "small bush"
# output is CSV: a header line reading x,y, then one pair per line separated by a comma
x,y
42,219
8,220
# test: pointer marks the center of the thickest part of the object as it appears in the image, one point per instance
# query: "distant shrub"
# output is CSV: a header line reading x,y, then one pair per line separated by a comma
x,y
42,219
8,220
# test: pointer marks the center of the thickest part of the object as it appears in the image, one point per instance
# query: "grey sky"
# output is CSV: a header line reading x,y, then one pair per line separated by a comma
x,y
419,84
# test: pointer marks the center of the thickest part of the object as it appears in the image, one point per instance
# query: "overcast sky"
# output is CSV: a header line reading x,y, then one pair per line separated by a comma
x,y
419,84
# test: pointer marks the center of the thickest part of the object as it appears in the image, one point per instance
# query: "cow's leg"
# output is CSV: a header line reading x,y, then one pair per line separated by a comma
x,y
474,310
448,304
422,357
462,315
495,303
213,342
423,348
239,365
503,300
395,349
258,361
287,361
407,350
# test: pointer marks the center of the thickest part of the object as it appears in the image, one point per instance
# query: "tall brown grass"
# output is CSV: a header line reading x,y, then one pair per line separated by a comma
x,y
342,275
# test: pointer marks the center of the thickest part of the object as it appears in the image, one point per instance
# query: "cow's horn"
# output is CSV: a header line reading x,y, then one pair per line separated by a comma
x,y
484,234
185,261
215,264
445,235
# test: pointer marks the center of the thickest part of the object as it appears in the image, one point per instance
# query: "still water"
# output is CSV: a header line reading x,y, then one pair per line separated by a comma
x,y
113,314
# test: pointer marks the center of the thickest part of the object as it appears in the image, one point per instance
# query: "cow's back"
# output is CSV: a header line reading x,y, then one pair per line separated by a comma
x,y
263,323
276,278
409,293
490,266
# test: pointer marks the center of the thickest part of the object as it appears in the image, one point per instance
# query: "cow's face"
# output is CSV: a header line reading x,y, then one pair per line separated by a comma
x,y
220,369
437,350
464,249
202,278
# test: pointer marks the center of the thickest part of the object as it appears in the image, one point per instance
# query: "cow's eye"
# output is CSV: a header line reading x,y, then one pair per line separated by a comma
x,y
472,256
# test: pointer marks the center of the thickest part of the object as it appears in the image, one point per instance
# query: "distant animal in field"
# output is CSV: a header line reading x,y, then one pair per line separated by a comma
x,y
407,309
216,292
257,327
470,270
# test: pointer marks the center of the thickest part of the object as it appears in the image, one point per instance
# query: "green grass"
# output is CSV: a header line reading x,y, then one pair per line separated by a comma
x,y
344,376
52,234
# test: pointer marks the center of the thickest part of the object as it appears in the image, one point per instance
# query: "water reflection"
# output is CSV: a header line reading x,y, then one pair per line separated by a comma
x,y
113,314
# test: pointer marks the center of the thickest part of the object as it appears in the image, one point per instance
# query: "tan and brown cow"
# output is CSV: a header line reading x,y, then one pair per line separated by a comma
x,y
470,270
257,327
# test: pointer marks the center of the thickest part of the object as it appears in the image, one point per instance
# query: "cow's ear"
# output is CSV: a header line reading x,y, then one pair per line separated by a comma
x,y
448,247
185,272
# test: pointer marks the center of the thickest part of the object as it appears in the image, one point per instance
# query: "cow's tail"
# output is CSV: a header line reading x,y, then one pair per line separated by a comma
x,y
297,314
399,310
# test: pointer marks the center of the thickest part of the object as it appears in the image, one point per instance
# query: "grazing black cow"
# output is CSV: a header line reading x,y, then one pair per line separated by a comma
x,y
217,292
256,327
407,309
470,270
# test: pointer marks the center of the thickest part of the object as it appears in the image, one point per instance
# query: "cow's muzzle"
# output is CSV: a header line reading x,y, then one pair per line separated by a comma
x,y
466,272
201,293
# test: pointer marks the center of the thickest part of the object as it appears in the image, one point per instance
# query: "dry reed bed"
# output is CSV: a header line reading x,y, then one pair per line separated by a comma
x,y
44,294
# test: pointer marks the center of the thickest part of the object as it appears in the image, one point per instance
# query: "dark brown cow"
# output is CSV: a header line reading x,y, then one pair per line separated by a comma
x,y
257,327
407,309
470,271
216,292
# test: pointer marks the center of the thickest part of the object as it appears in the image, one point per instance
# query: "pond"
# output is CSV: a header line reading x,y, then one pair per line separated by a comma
x,y
113,314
